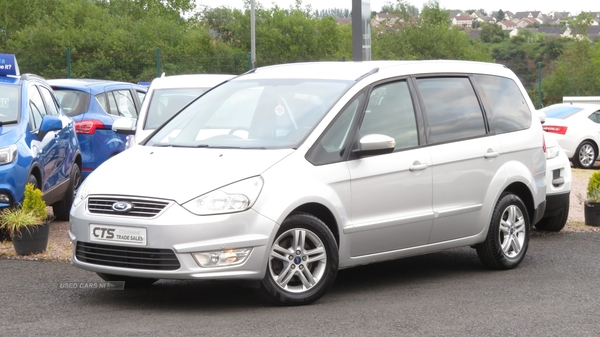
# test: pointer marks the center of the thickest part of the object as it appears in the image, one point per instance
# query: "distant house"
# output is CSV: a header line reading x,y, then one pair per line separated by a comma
x,y
507,25
531,14
593,32
463,21
384,20
555,32
344,21
522,23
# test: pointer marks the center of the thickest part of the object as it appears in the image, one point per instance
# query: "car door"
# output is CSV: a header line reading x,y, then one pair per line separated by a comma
x,y
44,147
464,156
391,193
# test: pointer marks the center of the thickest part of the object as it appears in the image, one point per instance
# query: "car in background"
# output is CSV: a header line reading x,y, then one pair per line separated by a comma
x,y
166,96
38,143
95,105
558,187
577,130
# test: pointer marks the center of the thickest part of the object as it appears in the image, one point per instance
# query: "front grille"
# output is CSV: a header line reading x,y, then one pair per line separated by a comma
x,y
127,257
141,208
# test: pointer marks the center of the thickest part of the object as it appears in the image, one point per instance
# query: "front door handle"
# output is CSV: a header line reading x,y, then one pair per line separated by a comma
x,y
417,166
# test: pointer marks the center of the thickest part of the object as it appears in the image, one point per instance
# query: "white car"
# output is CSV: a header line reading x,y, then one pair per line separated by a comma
x,y
577,129
558,187
166,96
288,173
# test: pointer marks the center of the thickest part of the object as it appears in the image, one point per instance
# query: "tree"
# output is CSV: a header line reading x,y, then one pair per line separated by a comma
x,y
501,15
575,73
491,33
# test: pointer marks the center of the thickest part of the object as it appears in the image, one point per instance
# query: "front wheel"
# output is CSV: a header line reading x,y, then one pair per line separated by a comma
x,y
585,156
303,262
508,236
557,222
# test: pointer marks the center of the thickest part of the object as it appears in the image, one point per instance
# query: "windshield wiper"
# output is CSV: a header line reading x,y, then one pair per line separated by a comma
x,y
176,145
8,122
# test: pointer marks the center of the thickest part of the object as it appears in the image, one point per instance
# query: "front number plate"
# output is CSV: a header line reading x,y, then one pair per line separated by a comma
x,y
116,234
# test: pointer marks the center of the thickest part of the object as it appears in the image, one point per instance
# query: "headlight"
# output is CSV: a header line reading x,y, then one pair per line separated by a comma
x,y
236,197
552,152
82,193
8,154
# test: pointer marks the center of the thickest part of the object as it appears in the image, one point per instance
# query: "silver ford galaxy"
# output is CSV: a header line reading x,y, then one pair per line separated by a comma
x,y
286,174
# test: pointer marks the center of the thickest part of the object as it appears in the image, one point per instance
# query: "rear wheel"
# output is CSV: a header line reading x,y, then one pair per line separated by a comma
x,y
130,281
508,236
303,262
62,208
585,156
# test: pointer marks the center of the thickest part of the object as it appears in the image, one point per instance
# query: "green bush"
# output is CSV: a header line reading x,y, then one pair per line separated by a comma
x,y
593,188
34,203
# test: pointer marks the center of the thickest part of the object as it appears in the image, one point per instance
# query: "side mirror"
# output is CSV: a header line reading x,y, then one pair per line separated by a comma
x,y
375,144
124,126
541,116
49,123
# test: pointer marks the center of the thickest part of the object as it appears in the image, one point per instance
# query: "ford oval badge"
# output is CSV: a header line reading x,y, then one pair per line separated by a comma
x,y
122,206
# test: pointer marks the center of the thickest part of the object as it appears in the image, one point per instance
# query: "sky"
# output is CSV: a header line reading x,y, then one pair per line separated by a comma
x,y
545,6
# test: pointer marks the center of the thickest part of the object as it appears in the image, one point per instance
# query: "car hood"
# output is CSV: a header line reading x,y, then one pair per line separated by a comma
x,y
9,134
178,174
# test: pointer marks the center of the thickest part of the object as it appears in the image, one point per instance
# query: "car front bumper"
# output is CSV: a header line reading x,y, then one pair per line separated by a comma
x,y
178,231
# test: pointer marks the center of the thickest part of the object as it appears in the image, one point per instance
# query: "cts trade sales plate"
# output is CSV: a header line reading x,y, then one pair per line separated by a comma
x,y
118,234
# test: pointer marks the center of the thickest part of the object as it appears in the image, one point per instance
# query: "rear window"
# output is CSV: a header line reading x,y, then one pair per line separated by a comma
x,y
73,102
561,111
506,108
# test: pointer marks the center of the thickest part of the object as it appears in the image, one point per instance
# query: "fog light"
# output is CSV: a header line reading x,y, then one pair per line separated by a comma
x,y
221,258
4,198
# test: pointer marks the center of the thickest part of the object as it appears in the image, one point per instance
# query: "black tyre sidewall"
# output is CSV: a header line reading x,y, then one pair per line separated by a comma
x,y
272,292
490,251
33,180
555,223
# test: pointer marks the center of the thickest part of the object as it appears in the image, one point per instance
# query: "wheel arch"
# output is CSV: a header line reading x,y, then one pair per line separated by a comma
x,y
522,191
324,214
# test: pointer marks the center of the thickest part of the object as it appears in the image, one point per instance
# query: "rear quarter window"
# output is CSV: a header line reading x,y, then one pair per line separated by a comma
x,y
505,106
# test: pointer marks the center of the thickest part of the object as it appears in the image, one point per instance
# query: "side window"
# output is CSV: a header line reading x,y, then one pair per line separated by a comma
x,y
595,117
505,106
330,148
50,101
118,103
125,103
390,112
141,95
37,111
103,101
452,110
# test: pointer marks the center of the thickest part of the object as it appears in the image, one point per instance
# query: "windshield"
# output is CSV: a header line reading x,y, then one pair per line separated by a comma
x,y
166,102
561,111
265,114
9,103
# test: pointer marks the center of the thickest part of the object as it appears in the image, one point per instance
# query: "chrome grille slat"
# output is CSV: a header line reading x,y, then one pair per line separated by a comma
x,y
141,208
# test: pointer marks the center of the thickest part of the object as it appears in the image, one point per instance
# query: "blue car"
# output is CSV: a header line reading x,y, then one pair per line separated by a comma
x,y
38,143
94,105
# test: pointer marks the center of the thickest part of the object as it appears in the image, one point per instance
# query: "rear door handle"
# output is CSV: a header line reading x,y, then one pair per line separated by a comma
x,y
491,154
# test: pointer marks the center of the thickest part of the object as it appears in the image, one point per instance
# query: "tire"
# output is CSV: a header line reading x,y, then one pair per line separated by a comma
x,y
585,156
555,223
130,281
62,208
508,236
33,180
299,274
